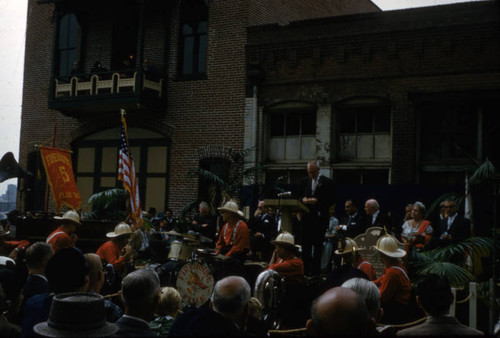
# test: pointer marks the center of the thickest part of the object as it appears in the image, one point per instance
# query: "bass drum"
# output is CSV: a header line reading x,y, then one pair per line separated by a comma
x,y
195,283
269,290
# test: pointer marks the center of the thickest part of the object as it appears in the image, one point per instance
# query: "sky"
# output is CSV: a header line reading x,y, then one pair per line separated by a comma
x,y
12,39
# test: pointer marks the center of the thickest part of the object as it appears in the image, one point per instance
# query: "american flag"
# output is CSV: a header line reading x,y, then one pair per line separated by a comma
x,y
126,174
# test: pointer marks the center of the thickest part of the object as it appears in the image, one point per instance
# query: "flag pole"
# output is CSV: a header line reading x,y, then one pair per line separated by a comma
x,y
46,178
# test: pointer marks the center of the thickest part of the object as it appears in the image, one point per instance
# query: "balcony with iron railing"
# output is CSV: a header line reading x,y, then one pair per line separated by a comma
x,y
96,92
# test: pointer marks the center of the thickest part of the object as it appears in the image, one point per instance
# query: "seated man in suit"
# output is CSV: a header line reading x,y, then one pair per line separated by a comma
x,y
354,223
226,316
434,296
454,228
37,256
140,294
339,312
375,218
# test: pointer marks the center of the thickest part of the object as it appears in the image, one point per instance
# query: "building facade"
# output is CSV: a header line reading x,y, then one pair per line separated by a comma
x,y
177,67
396,105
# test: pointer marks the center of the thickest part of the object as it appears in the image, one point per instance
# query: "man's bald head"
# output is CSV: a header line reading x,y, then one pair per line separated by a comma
x,y
231,296
339,311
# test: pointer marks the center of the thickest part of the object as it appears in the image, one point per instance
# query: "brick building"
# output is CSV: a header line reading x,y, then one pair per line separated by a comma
x,y
188,111
396,105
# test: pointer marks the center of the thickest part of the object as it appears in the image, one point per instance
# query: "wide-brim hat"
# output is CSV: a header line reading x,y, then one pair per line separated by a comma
x,y
231,207
70,215
388,245
76,314
347,246
286,239
120,230
6,261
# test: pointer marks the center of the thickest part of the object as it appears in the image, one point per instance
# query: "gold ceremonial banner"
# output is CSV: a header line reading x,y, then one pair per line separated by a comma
x,y
57,163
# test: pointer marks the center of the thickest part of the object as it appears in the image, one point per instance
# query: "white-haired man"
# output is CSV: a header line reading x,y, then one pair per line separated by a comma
x,y
316,191
140,294
226,317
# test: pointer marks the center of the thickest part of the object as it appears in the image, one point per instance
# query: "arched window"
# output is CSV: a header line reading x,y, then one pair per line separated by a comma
x,y
194,28
67,42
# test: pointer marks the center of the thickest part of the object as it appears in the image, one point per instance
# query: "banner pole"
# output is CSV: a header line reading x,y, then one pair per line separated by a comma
x,y
46,178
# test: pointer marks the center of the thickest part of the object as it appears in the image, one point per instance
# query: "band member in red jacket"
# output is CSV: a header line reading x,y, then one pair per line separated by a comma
x,y
234,240
285,260
65,235
394,285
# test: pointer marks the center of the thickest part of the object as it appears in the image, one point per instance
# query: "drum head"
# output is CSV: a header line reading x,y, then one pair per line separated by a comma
x,y
195,283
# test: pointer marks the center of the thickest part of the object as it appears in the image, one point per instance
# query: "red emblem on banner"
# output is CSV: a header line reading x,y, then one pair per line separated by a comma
x,y
57,163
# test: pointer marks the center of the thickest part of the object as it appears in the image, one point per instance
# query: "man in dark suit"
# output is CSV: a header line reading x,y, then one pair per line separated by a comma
x,y
225,317
353,223
317,193
36,258
374,217
263,229
140,294
434,296
454,228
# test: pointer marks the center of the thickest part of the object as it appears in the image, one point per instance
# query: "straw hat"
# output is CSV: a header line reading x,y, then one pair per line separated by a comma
x,y
388,245
121,229
231,207
347,246
285,239
70,215
76,314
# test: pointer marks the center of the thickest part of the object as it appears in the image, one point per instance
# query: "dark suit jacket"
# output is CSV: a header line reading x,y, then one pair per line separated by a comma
x,y
355,225
381,221
203,322
34,285
324,193
131,327
440,326
459,229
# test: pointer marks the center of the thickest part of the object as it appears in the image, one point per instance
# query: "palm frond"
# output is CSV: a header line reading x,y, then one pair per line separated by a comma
x,y
445,253
482,246
485,172
187,208
457,275
107,197
211,177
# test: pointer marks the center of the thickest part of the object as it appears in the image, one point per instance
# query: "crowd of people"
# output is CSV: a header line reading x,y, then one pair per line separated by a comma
x,y
328,287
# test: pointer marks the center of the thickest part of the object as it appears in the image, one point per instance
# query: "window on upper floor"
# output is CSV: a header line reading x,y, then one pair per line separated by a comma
x,y
292,132
193,34
125,33
364,130
67,43
448,131
455,134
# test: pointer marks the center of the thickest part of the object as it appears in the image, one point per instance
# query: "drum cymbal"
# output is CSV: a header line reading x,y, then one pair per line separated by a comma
x,y
205,239
221,257
189,237
173,233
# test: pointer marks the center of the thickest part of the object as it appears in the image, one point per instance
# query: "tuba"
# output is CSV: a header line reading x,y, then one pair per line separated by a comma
x,y
269,289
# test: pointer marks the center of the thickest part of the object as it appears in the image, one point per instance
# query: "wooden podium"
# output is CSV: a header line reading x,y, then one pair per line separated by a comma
x,y
286,206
